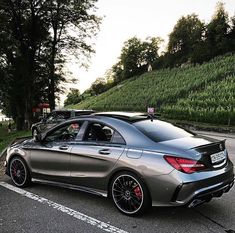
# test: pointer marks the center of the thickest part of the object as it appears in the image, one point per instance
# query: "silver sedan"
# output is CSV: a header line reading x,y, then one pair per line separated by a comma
x,y
135,159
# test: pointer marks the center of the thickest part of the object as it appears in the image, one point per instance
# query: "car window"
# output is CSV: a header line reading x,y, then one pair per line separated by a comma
x,y
66,132
49,118
160,131
62,115
117,138
58,116
97,132
80,113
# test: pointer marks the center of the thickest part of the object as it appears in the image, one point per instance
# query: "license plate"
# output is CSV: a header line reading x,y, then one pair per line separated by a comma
x,y
217,157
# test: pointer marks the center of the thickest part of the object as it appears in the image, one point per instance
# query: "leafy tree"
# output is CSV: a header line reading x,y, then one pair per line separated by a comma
x,y
22,34
35,38
117,72
131,57
231,35
217,42
99,86
150,49
73,97
135,57
185,38
72,24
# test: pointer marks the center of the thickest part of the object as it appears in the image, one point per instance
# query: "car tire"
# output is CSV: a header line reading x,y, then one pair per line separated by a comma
x,y
130,194
19,172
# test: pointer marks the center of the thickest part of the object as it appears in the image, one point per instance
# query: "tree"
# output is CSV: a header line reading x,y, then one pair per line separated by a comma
x,y
99,86
35,37
117,72
22,33
217,42
72,24
185,38
150,49
135,57
231,35
131,57
73,97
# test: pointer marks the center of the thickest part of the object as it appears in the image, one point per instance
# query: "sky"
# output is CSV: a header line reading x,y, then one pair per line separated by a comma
x,y
124,19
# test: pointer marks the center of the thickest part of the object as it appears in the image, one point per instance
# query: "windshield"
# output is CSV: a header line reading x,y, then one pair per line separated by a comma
x,y
160,131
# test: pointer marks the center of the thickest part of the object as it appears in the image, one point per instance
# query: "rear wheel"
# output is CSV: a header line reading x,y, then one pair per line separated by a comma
x,y
129,193
19,172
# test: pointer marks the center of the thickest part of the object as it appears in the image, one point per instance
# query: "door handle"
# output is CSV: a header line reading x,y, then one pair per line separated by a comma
x,y
64,147
104,151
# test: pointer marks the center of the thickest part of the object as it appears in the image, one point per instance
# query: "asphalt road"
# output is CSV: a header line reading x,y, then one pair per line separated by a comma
x,y
51,209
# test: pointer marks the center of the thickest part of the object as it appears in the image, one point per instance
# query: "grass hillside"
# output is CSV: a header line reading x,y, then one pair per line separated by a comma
x,y
204,93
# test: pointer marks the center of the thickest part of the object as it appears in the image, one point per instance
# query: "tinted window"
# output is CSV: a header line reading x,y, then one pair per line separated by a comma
x,y
83,113
67,132
160,131
117,138
58,116
62,115
103,133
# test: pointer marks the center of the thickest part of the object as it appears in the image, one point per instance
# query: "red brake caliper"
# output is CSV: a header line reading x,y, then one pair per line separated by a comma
x,y
14,171
138,192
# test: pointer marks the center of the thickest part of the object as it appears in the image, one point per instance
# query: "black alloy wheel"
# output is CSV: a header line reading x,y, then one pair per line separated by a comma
x,y
130,194
19,172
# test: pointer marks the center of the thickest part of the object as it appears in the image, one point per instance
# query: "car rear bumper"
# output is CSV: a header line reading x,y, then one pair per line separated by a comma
x,y
191,194
207,195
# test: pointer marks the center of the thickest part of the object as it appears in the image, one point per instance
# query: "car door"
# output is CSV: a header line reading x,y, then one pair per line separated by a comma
x,y
93,158
50,159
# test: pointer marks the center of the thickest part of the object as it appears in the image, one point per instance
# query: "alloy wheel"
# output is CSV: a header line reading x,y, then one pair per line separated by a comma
x,y
128,194
18,172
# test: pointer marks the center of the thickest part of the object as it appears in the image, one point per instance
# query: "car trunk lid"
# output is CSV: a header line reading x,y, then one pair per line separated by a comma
x,y
211,152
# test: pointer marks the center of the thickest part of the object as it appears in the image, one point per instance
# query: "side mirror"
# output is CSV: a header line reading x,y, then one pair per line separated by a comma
x,y
38,137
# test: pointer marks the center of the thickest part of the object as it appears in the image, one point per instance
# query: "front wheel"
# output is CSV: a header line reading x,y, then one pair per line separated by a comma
x,y
19,172
129,193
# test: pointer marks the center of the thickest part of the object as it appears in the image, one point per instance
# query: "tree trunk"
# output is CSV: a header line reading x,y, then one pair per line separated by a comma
x,y
19,118
51,80
51,95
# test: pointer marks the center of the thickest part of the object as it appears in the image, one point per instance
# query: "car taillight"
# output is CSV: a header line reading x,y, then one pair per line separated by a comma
x,y
184,165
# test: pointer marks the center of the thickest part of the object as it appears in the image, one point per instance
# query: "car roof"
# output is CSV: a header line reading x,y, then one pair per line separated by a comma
x,y
73,110
121,121
130,117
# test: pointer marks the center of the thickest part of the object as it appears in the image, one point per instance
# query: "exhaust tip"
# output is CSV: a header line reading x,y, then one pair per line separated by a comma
x,y
196,202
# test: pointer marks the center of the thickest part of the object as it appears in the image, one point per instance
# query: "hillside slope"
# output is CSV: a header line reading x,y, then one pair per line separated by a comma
x,y
204,93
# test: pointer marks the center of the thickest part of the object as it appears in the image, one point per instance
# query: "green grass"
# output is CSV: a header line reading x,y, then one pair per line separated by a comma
x,y
6,138
202,93
215,104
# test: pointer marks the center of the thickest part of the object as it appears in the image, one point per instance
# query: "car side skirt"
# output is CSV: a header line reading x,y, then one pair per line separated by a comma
x,y
70,186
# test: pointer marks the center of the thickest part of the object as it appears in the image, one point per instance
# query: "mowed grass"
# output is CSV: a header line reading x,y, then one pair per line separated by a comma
x,y
6,138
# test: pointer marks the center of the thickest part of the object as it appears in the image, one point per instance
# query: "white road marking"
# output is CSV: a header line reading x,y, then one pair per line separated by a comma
x,y
76,214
